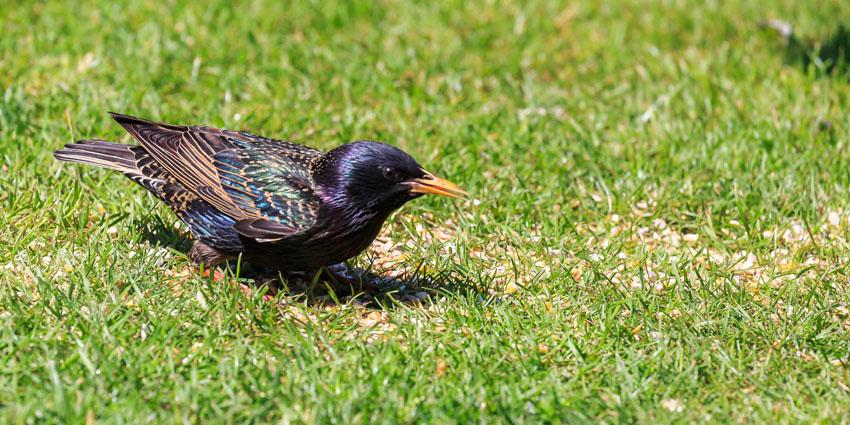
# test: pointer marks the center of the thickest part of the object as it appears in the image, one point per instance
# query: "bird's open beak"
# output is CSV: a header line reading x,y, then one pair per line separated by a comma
x,y
437,186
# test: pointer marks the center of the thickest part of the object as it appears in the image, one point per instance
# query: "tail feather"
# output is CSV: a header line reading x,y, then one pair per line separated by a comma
x,y
132,161
135,162
100,153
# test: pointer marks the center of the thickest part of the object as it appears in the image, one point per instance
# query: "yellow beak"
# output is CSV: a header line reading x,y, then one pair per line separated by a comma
x,y
437,186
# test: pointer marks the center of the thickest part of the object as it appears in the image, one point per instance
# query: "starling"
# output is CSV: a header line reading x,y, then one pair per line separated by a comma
x,y
278,204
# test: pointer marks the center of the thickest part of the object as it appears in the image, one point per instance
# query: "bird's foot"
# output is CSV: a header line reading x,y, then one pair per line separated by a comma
x,y
219,276
216,274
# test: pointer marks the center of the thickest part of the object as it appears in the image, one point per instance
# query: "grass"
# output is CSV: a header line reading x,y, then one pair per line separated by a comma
x,y
660,233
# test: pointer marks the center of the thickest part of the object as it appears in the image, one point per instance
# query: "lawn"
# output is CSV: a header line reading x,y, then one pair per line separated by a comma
x,y
659,229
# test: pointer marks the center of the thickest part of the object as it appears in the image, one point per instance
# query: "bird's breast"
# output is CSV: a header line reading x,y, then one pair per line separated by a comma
x,y
332,241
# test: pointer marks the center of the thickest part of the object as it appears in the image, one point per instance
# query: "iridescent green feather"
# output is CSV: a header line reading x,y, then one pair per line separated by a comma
x,y
272,178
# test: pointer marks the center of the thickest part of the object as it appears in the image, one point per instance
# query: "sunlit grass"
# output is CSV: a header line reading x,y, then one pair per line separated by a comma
x,y
658,230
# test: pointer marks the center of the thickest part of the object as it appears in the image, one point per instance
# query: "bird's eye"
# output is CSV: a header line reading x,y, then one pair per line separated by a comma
x,y
392,174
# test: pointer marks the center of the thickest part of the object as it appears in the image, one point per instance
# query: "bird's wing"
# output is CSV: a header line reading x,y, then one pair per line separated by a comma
x,y
271,179
263,184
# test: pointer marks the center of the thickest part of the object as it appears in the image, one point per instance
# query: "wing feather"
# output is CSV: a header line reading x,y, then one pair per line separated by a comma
x,y
264,185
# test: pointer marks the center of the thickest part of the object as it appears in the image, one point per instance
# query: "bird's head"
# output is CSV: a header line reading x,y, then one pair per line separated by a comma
x,y
376,177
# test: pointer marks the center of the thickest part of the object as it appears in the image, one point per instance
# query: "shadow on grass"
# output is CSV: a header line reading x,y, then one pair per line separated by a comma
x,y
361,285
157,232
338,284
827,56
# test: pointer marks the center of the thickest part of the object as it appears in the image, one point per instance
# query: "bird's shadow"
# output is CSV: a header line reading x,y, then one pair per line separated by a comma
x,y
158,232
364,286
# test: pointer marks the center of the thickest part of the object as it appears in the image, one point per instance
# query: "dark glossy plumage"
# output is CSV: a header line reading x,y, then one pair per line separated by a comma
x,y
279,204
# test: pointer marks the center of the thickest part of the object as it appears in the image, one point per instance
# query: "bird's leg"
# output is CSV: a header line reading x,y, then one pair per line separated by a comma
x,y
216,273
207,258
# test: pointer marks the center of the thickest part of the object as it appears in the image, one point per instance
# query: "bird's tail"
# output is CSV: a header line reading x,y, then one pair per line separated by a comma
x,y
100,153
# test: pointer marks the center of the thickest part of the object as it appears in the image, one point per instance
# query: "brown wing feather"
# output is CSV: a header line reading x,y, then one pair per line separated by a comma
x,y
186,153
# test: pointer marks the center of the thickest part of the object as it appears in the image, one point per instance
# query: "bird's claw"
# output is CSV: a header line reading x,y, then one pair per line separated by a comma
x,y
219,276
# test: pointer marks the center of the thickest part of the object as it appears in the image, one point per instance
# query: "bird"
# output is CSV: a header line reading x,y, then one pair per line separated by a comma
x,y
273,203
